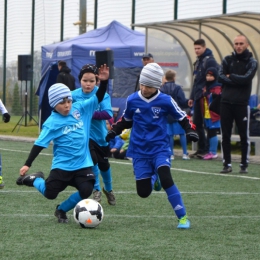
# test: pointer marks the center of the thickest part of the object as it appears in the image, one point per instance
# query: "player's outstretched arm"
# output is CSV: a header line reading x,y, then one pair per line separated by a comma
x,y
189,128
103,77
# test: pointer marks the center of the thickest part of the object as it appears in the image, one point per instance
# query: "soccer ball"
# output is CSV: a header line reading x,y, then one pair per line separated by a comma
x,y
88,213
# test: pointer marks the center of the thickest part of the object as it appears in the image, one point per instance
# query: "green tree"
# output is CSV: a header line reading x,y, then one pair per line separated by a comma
x,y
16,104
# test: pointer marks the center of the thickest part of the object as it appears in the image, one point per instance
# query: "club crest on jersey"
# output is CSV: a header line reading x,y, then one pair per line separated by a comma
x,y
76,114
156,111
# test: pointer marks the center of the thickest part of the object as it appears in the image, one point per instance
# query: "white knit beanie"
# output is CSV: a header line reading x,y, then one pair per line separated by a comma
x,y
151,75
57,93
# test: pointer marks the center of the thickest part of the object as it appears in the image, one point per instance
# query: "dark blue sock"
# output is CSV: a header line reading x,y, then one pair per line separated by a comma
x,y
174,197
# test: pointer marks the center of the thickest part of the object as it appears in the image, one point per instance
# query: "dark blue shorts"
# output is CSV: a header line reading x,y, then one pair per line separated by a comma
x,y
145,167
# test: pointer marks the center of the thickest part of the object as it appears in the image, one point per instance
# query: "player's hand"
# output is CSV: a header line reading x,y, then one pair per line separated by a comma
x,y
192,135
110,135
6,117
103,73
24,170
190,102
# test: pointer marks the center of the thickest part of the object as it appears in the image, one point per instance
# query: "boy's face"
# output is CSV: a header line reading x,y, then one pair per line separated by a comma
x,y
147,91
199,50
210,77
64,107
88,82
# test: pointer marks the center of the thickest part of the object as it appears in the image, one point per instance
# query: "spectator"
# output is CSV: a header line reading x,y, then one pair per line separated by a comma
x,y
116,144
236,74
147,58
99,147
146,113
6,119
173,127
71,163
64,76
211,119
204,61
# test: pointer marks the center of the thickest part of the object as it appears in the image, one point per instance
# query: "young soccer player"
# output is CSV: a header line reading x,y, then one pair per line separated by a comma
x,y
99,147
6,119
71,164
146,112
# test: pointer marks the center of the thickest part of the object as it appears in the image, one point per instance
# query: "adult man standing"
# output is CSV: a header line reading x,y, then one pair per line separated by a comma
x,y
147,58
204,61
236,74
64,76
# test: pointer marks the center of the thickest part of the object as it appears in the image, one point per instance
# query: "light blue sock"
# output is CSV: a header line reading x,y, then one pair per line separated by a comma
x,y
71,202
174,197
183,142
39,184
107,179
213,144
96,173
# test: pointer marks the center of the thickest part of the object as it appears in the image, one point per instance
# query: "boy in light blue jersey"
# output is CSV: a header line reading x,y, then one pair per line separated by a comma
x,y
146,112
71,164
99,147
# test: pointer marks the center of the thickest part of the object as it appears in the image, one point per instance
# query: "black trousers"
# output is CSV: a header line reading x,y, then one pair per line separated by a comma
x,y
198,120
241,115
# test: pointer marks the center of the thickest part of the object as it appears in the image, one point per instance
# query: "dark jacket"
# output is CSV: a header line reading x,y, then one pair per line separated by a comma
x,y
205,61
66,78
176,92
236,89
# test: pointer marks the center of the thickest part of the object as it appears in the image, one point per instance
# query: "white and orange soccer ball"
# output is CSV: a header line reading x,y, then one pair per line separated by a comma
x,y
88,213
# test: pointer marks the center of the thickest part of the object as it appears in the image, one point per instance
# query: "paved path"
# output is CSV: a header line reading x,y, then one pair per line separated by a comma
x,y
177,152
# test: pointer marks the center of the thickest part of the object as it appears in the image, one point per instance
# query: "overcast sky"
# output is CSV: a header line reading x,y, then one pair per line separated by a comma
x,y
47,18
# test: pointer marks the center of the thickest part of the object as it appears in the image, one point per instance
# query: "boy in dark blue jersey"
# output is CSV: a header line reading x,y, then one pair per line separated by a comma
x,y
146,112
71,164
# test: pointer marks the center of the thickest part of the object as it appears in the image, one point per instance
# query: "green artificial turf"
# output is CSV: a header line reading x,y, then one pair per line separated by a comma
x,y
223,209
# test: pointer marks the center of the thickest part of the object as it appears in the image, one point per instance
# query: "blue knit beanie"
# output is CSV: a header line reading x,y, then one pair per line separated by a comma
x,y
57,93
151,75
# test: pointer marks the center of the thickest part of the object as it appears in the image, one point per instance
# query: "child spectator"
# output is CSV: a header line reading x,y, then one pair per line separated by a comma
x,y
146,113
211,119
173,127
115,144
71,163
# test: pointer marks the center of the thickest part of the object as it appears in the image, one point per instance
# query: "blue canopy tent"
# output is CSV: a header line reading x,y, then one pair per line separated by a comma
x,y
126,44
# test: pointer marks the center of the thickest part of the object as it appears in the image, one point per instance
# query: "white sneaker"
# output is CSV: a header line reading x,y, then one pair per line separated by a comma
x,y
185,157
172,157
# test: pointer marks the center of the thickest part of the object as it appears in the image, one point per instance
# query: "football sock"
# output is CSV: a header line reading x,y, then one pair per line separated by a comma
x,y
213,144
96,173
183,142
39,184
71,202
174,197
107,179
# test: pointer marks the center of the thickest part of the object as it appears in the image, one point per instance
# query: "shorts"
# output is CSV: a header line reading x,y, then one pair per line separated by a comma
x,y
59,180
98,153
146,167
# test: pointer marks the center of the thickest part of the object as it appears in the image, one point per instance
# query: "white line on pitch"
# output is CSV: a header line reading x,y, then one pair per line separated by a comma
x,y
176,169
155,192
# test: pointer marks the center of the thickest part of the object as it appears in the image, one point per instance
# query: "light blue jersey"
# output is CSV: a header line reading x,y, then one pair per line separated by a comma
x,y
149,131
98,129
69,134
